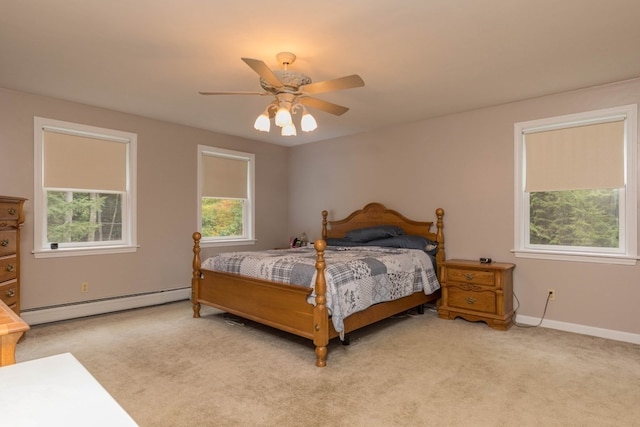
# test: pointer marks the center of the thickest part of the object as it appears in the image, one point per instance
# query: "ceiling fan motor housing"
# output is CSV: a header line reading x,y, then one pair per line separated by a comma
x,y
291,81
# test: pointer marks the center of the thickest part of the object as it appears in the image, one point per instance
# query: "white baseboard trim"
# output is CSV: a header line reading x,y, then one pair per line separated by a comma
x,y
91,308
581,329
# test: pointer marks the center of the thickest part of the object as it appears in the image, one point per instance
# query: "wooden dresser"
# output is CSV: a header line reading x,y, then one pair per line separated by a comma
x,y
11,218
478,292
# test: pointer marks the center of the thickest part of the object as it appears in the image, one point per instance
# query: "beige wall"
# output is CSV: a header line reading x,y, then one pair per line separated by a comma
x,y
464,163
166,201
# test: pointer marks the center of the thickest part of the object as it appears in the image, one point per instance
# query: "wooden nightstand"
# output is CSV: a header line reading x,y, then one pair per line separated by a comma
x,y
478,292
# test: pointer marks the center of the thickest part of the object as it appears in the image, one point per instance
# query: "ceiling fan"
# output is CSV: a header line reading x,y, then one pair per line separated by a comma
x,y
292,91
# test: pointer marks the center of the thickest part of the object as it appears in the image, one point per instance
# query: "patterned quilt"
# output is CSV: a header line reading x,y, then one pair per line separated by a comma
x,y
357,277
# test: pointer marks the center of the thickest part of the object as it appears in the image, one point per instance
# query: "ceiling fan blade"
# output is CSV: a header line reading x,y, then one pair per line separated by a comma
x,y
234,93
263,71
319,104
346,82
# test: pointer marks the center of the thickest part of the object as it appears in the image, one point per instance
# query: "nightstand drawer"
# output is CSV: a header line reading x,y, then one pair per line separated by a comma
x,y
484,301
477,277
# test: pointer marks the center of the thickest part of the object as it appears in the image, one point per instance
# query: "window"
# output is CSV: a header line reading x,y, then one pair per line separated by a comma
x,y
85,200
576,187
225,196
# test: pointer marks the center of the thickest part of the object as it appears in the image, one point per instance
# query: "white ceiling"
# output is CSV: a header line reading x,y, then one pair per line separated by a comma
x,y
418,58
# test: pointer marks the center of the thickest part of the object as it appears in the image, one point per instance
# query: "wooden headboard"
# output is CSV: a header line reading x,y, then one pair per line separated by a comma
x,y
377,214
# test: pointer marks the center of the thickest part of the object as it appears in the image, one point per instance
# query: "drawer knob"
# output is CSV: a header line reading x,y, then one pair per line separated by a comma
x,y
12,211
470,300
4,242
10,293
10,267
469,276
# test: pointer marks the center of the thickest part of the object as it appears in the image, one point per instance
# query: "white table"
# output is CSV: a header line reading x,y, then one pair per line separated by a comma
x,y
56,391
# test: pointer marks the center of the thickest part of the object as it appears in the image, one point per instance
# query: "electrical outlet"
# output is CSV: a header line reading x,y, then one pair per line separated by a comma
x,y
552,294
84,287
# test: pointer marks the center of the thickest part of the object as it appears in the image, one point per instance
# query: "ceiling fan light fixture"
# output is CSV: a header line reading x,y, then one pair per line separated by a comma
x,y
283,117
308,123
263,124
289,130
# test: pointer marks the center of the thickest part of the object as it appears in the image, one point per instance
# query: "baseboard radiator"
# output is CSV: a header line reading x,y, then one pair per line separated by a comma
x,y
36,316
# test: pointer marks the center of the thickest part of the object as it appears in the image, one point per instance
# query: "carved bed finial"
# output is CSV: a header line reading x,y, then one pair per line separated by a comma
x,y
324,224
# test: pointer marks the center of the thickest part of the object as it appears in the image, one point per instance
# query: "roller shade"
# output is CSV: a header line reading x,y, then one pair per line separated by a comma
x,y
224,177
576,158
85,163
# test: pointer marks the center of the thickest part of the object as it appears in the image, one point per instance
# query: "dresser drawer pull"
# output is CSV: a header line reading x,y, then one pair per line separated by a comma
x,y
10,293
4,243
470,300
10,267
12,211
469,276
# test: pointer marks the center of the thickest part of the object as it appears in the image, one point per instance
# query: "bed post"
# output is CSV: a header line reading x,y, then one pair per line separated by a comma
x,y
320,311
195,278
324,225
441,254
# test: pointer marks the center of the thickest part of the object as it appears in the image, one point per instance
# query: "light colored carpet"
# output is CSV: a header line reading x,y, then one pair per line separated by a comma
x,y
167,369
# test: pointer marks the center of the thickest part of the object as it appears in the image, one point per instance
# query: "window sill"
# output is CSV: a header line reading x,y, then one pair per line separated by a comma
x,y
576,257
67,252
219,243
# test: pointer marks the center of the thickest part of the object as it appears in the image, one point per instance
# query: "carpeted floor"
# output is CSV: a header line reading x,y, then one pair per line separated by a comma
x,y
167,369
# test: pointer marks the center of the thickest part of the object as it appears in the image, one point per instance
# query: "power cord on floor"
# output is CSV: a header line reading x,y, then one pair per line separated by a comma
x,y
546,304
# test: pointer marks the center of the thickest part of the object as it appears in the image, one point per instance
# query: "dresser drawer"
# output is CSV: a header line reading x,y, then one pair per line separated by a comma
x,y
484,301
8,224
476,277
9,293
8,268
7,242
9,211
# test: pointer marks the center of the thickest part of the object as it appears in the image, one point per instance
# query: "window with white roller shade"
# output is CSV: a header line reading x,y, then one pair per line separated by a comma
x,y
225,196
576,187
85,189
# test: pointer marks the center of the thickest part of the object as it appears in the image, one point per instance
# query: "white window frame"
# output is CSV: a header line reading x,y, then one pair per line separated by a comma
x,y
42,249
248,238
627,253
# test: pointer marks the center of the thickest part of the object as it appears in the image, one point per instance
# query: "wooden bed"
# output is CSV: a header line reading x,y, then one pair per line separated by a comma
x,y
285,306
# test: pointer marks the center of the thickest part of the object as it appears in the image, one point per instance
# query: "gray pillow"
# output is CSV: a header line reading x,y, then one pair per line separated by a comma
x,y
367,234
331,241
408,242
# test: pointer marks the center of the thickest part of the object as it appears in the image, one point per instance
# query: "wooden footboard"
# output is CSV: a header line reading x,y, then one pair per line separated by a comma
x,y
278,305
286,307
